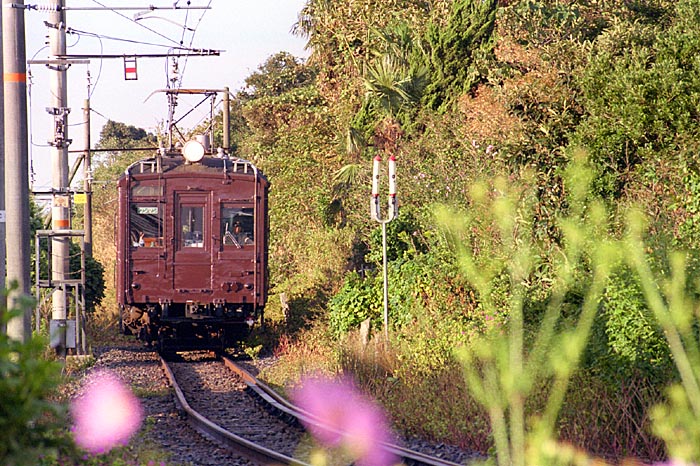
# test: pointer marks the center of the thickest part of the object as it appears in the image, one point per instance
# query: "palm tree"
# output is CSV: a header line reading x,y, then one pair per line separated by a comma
x,y
394,79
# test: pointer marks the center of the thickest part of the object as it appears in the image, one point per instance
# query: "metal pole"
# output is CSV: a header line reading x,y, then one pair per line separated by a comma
x,y
226,119
16,161
392,212
80,311
386,284
60,212
87,181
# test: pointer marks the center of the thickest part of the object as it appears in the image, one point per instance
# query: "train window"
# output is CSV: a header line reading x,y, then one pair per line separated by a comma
x,y
192,226
237,226
139,190
145,225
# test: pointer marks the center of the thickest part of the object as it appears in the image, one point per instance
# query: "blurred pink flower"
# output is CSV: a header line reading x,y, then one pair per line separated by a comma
x,y
349,420
107,414
674,463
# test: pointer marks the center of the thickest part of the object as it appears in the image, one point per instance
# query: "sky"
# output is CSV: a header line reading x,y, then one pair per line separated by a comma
x,y
246,33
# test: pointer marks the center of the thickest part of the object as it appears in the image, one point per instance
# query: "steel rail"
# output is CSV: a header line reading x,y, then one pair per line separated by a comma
x,y
290,411
210,429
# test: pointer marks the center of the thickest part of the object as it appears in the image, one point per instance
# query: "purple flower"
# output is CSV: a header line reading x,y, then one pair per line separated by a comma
x,y
107,414
347,420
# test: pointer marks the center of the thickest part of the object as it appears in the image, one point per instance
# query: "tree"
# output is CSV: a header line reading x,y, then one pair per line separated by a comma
x,y
119,136
456,49
280,73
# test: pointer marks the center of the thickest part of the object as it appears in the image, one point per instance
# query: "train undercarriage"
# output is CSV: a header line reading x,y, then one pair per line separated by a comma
x,y
189,327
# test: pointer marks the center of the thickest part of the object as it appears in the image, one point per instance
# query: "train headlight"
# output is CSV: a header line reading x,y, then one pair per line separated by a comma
x,y
193,151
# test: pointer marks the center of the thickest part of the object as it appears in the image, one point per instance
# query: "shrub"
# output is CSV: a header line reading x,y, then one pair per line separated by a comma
x,y
29,422
634,343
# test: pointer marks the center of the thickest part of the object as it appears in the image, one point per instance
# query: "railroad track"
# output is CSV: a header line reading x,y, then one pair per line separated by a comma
x,y
265,427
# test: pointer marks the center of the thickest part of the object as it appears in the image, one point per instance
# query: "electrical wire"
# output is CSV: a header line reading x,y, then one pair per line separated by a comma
x,y
184,66
32,144
135,22
99,71
131,41
184,27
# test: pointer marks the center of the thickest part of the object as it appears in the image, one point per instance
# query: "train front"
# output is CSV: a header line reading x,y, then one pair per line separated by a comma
x,y
192,248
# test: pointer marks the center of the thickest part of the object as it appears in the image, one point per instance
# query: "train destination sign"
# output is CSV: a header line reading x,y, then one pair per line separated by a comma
x,y
147,210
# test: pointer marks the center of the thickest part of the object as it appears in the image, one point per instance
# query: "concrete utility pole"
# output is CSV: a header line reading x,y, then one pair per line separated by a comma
x,y
3,253
60,212
16,157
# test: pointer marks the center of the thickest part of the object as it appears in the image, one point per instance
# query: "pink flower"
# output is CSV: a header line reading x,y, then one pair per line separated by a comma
x,y
674,463
348,420
107,414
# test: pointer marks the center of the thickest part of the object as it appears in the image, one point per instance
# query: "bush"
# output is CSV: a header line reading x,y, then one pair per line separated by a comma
x,y
29,421
634,345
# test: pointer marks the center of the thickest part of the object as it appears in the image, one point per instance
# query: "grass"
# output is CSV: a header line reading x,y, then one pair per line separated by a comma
x,y
607,420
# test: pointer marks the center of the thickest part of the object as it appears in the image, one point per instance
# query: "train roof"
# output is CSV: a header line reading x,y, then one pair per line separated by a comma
x,y
208,165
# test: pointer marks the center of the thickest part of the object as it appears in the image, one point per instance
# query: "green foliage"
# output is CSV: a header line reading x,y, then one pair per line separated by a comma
x,y
116,135
540,23
456,52
270,116
29,422
94,277
353,304
677,421
280,73
403,239
687,206
395,76
503,368
641,92
635,345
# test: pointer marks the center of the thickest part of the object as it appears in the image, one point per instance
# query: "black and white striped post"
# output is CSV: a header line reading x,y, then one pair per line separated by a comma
x,y
392,213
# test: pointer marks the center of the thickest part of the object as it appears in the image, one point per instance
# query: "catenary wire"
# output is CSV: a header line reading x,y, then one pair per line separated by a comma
x,y
184,66
135,22
131,41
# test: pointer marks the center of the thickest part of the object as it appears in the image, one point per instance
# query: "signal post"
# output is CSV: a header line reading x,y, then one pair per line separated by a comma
x,y
392,213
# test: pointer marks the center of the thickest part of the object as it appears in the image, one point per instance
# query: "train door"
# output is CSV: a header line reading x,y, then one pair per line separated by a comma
x,y
192,258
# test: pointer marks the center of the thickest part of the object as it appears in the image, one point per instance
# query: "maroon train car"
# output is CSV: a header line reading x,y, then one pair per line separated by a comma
x,y
192,246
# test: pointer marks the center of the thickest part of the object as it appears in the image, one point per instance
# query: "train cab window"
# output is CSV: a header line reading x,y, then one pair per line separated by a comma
x,y
192,226
146,190
237,226
145,225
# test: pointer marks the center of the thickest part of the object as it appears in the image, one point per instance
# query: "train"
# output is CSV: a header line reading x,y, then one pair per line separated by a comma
x,y
192,247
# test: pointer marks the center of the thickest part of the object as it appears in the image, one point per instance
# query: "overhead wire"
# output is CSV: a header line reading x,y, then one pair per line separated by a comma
x,y
135,22
196,26
32,144
184,27
180,46
119,39
175,82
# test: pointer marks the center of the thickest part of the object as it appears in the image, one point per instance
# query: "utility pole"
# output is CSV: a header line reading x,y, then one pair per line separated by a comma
x,y
3,270
60,212
87,181
16,166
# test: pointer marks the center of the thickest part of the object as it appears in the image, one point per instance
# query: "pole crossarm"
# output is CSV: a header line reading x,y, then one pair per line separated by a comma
x,y
39,7
58,61
188,53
